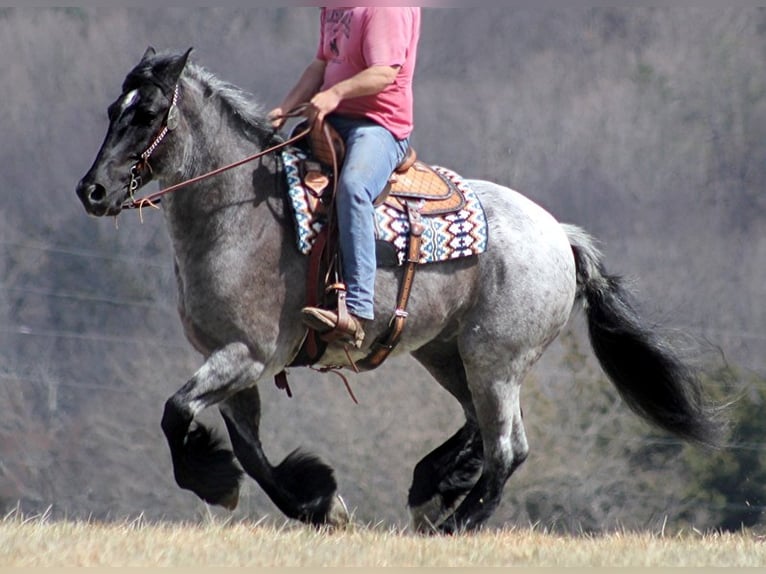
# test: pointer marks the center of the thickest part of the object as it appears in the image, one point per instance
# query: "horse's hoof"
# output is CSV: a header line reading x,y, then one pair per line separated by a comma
x,y
230,500
449,527
337,515
427,516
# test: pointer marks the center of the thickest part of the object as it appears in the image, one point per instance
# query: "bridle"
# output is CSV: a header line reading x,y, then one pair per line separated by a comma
x,y
171,123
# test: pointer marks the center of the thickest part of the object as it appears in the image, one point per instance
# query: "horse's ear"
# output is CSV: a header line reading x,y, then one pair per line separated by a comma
x,y
169,71
177,65
150,51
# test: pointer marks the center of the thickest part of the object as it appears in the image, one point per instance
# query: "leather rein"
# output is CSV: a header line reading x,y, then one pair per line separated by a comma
x,y
170,124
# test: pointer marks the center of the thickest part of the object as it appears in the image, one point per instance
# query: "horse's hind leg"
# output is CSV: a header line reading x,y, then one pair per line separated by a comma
x,y
495,394
302,486
200,464
498,413
447,473
444,476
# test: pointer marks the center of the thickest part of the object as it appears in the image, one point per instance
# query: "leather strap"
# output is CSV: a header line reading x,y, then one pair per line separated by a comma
x,y
312,348
280,380
382,347
409,159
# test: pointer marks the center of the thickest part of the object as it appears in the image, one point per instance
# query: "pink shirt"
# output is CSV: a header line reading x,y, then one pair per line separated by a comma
x,y
353,39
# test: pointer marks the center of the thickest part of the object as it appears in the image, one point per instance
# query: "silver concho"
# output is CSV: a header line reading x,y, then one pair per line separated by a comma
x,y
172,121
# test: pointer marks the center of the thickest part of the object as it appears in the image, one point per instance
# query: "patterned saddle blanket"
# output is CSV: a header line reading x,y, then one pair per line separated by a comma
x,y
454,220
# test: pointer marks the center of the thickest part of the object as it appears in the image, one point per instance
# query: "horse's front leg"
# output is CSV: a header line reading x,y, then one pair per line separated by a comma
x,y
200,464
302,486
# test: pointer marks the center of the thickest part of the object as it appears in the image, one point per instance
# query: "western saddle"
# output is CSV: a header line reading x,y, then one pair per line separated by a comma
x,y
414,189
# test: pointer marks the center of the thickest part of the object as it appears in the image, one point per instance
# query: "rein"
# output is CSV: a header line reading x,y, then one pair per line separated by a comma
x,y
170,124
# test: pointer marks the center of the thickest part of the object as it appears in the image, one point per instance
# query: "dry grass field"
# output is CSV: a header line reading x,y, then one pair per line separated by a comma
x,y
40,542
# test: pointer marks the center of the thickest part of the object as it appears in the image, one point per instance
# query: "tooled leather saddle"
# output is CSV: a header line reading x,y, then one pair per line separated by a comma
x,y
412,182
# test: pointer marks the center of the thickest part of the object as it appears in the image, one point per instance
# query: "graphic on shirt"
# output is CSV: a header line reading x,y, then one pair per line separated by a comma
x,y
338,22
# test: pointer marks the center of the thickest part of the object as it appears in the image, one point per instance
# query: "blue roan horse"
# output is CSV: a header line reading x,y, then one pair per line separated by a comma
x,y
477,324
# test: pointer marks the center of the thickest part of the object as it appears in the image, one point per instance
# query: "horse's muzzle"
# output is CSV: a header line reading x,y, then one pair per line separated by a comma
x,y
95,199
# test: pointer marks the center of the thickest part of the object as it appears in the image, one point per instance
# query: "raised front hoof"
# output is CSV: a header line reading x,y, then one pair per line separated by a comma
x,y
207,469
224,493
230,501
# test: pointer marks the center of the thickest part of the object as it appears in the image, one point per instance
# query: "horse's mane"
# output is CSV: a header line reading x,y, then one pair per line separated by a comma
x,y
235,101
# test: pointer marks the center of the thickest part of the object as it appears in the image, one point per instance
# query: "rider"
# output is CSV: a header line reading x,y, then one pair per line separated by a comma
x,y
360,81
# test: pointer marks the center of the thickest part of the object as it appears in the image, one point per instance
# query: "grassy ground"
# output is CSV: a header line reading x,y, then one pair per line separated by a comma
x,y
40,542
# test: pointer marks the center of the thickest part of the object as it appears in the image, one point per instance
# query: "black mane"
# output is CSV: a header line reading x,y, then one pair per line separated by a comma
x,y
237,102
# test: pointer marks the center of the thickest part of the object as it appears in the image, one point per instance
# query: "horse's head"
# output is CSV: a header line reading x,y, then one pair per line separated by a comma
x,y
139,119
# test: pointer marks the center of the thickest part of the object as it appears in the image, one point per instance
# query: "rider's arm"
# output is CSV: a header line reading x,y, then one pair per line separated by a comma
x,y
368,82
306,87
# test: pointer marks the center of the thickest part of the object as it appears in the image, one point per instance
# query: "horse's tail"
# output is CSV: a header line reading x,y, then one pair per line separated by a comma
x,y
647,370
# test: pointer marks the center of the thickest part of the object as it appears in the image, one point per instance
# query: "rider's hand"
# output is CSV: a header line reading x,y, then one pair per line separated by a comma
x,y
324,103
276,117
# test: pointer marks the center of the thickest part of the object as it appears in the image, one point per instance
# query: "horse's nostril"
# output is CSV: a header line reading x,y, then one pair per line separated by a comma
x,y
97,193
93,197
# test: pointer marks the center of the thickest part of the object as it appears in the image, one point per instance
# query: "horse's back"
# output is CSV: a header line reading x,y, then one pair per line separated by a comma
x,y
507,210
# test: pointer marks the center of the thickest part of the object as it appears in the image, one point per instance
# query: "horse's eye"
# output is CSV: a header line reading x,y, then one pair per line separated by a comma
x,y
144,116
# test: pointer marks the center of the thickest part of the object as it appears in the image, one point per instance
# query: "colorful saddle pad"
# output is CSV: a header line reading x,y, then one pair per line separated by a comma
x,y
447,236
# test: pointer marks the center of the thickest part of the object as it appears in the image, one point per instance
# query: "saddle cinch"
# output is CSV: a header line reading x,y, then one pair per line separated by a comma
x,y
414,189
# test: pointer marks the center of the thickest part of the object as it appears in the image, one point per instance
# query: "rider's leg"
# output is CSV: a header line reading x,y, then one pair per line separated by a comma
x,y
372,154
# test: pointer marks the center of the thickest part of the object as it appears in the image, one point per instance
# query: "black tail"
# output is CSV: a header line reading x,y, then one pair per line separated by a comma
x,y
648,372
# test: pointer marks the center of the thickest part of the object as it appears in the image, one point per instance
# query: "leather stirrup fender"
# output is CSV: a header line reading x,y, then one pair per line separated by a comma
x,y
382,347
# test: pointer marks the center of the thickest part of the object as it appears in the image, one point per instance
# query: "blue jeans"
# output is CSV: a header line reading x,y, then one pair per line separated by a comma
x,y
372,154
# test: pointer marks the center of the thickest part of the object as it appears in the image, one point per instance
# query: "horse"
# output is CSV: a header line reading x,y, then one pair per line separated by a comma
x,y
477,324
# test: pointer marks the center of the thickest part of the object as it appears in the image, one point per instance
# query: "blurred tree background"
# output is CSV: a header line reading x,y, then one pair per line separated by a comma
x,y
646,126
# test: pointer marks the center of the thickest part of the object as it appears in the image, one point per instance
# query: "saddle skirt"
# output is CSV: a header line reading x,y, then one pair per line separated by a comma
x,y
453,218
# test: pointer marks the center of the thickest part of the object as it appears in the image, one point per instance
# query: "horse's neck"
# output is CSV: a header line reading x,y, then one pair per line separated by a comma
x,y
233,207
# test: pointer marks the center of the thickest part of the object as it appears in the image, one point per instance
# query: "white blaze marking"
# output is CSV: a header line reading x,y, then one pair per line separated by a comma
x,y
129,99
